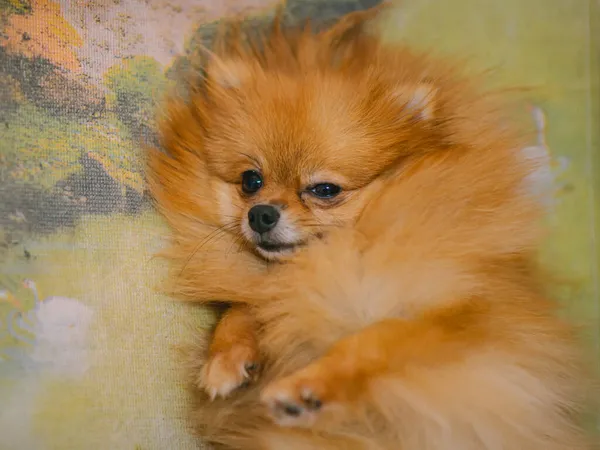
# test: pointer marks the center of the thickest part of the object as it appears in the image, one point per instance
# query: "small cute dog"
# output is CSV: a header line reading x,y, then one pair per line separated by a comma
x,y
365,210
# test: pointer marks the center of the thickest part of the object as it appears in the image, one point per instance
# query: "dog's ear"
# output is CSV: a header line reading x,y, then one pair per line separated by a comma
x,y
418,99
422,102
228,72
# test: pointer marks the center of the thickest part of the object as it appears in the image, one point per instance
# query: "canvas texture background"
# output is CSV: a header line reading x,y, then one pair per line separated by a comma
x,y
87,341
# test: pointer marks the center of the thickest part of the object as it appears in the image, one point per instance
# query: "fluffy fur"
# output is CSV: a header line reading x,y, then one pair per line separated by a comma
x,y
411,314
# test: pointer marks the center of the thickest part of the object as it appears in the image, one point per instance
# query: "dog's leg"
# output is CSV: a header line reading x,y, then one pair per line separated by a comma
x,y
344,374
233,354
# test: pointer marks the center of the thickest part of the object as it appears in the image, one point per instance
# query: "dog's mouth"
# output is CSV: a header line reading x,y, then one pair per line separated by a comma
x,y
274,250
276,247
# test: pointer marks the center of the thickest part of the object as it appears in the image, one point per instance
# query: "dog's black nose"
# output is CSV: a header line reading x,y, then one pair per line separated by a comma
x,y
263,218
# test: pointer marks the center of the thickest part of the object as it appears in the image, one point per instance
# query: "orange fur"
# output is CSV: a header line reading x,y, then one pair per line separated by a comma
x,y
413,315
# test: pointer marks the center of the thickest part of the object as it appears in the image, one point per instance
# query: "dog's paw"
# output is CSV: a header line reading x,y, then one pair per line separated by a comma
x,y
295,401
226,371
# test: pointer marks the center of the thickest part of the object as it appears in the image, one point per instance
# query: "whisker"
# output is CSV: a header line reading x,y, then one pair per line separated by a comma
x,y
220,231
238,241
320,225
241,244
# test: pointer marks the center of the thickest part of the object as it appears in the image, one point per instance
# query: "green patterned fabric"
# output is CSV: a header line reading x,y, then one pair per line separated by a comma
x,y
87,341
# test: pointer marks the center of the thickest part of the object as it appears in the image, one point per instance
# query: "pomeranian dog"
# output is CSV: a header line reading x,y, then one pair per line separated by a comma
x,y
365,211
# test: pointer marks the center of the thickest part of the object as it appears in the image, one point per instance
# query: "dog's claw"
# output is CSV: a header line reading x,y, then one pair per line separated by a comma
x,y
291,405
224,372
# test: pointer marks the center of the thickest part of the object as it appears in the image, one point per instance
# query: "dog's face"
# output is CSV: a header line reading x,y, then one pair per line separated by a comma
x,y
293,157
287,176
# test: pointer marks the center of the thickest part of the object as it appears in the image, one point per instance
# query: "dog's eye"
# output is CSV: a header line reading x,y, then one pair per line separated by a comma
x,y
251,181
325,190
